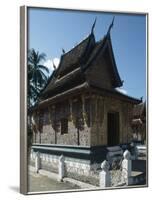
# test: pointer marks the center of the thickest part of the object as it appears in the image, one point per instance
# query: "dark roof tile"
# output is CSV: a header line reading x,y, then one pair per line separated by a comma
x,y
72,58
68,81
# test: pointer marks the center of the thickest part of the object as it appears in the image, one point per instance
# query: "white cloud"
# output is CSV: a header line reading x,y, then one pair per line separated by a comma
x,y
56,62
49,63
123,91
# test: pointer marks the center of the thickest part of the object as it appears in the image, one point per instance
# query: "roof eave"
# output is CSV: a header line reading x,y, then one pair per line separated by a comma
x,y
108,92
118,81
61,96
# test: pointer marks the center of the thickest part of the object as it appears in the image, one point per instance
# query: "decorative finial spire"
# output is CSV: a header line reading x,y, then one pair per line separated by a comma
x,y
92,29
63,51
54,65
111,25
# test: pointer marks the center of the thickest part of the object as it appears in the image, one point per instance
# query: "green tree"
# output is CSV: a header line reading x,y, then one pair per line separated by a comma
x,y
37,75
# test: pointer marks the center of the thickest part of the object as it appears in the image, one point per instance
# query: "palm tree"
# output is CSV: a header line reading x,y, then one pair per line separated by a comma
x,y
37,75
32,92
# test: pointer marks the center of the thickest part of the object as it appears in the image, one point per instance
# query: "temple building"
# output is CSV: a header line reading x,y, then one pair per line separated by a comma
x,y
139,122
80,112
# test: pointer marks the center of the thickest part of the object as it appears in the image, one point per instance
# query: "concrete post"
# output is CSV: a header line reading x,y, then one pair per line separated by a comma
x,y
37,162
105,180
127,167
61,168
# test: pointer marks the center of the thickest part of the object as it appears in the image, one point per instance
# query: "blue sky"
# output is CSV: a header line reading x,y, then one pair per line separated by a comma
x,y
52,30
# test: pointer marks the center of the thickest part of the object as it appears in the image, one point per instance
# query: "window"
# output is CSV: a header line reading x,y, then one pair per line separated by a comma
x,y
64,126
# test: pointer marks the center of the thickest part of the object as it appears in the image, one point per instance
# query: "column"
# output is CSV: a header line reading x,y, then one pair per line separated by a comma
x,y
126,168
105,179
54,121
83,110
70,103
61,168
37,162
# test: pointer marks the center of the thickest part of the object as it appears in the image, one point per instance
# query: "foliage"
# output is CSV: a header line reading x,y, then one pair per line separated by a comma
x,y
37,75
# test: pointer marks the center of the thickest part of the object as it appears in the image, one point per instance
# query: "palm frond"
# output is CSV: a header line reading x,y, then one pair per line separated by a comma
x,y
44,68
37,74
41,57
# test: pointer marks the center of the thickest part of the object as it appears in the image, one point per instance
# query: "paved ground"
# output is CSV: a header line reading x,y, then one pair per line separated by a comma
x,y
38,183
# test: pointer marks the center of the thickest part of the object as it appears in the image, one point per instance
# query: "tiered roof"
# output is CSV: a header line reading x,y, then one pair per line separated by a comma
x,y
70,75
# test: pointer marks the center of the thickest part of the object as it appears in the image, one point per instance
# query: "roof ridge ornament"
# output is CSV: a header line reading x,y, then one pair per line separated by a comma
x,y
63,51
110,27
93,26
54,66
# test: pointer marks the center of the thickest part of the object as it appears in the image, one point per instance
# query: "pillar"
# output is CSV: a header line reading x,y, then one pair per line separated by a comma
x,y
83,110
127,168
54,122
105,179
37,162
61,168
70,103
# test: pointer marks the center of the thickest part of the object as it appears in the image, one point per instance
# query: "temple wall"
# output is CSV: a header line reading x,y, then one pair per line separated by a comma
x,y
100,108
87,123
97,125
49,124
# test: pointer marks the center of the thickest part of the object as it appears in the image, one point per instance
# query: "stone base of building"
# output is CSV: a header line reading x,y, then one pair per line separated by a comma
x,y
81,163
